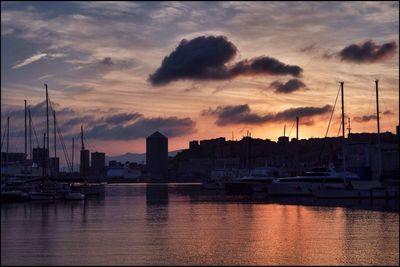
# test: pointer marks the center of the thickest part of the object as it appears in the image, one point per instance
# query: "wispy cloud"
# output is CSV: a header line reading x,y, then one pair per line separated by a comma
x,y
29,60
37,57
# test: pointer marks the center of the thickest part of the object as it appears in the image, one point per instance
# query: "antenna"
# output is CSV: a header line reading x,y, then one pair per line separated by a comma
x,y
348,128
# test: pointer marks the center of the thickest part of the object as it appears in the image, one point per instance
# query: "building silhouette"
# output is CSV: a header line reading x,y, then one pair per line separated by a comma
x,y
157,156
84,162
40,156
98,163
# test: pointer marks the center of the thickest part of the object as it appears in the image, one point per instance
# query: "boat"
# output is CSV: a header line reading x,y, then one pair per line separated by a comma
x,y
14,195
372,193
257,181
366,188
311,182
89,188
73,195
217,179
38,195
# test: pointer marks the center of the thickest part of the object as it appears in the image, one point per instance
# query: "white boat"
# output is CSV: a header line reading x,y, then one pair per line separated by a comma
x,y
311,182
44,196
257,181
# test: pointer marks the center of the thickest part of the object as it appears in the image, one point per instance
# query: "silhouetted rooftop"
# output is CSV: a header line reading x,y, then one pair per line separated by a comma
x,y
157,134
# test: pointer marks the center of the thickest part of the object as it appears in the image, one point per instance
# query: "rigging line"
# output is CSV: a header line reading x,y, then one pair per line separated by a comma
x,y
340,128
291,129
4,135
327,130
34,131
61,138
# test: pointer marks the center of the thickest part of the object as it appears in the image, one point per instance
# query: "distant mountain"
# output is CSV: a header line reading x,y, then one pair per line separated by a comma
x,y
136,157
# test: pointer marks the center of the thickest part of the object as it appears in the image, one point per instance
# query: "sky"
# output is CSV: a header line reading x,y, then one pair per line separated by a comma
x,y
196,70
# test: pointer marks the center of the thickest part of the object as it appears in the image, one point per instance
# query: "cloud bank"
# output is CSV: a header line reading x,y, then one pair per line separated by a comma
x,y
288,87
368,52
242,114
208,58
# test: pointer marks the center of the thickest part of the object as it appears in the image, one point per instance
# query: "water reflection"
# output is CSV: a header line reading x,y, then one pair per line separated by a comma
x,y
175,224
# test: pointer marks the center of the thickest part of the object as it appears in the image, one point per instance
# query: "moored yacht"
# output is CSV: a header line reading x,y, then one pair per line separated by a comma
x,y
257,181
310,182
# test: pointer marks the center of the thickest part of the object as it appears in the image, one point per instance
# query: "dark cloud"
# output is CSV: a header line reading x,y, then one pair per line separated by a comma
x,y
107,61
367,52
241,114
122,118
263,65
292,113
205,58
143,127
288,87
366,118
308,48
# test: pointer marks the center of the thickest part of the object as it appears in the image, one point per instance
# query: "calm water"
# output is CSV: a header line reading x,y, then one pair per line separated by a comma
x,y
180,224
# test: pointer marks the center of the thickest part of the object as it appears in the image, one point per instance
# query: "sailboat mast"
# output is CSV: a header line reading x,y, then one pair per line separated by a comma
x,y
348,134
379,131
83,146
26,143
47,119
55,140
297,128
55,145
30,134
8,138
73,146
343,129
44,172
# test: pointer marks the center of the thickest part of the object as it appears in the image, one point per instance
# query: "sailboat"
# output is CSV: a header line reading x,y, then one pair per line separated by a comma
x,y
87,188
316,179
364,188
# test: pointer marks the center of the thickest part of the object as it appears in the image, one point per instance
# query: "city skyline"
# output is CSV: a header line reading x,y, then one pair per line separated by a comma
x,y
198,70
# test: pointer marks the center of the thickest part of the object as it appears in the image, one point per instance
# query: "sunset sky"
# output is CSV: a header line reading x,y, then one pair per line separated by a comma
x,y
197,70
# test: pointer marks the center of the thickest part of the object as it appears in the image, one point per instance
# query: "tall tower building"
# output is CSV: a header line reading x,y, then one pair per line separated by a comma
x,y
157,155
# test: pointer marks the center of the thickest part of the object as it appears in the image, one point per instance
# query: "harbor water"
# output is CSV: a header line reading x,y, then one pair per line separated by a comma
x,y
183,224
